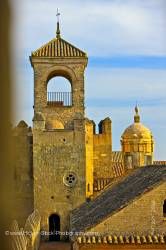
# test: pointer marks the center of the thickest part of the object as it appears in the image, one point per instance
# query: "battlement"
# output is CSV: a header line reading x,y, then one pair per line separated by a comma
x,y
101,146
105,126
22,146
104,137
22,128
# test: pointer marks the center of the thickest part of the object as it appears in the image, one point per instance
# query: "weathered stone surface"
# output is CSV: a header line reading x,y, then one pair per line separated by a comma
x,y
23,172
102,150
59,140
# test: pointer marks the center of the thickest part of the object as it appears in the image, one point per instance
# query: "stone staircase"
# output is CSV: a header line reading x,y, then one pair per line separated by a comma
x,y
55,246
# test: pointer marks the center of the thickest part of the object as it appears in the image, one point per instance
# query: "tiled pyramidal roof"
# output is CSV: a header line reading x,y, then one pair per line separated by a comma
x,y
117,197
58,48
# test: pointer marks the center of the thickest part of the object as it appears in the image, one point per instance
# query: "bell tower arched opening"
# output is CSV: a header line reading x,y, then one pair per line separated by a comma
x,y
59,92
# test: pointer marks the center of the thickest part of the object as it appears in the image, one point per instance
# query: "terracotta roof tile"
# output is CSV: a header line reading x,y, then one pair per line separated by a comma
x,y
116,197
58,48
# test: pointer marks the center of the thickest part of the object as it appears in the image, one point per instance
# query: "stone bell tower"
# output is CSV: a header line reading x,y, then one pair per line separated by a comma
x,y
58,134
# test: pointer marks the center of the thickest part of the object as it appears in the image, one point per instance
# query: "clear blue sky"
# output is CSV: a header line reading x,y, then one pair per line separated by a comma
x,y
126,44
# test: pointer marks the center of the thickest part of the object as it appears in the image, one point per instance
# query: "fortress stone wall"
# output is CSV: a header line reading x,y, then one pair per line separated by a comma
x,y
23,171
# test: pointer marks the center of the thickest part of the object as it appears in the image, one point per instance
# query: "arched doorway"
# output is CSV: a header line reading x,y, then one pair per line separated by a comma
x,y
54,227
164,209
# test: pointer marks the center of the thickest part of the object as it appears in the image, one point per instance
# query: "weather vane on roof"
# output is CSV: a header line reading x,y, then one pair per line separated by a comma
x,y
58,29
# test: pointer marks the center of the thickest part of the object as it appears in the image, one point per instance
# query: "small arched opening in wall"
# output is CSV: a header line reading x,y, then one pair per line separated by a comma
x,y
59,90
54,124
54,227
164,209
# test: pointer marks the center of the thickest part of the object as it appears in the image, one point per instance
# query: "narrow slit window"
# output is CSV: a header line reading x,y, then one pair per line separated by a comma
x,y
164,209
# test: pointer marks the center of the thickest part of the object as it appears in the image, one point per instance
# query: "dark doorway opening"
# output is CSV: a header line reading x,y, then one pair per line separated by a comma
x,y
164,209
54,227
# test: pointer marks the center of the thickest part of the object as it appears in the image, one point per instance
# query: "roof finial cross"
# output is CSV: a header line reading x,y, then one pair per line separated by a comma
x,y
58,29
136,107
58,15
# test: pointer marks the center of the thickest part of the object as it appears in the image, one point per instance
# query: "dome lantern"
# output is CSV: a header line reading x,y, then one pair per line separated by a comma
x,y
137,144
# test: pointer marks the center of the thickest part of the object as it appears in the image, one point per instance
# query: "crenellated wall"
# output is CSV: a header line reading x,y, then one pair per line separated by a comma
x,y
23,171
102,144
98,155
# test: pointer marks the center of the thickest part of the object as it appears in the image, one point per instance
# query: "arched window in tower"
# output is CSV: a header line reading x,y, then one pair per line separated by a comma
x,y
164,209
59,92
